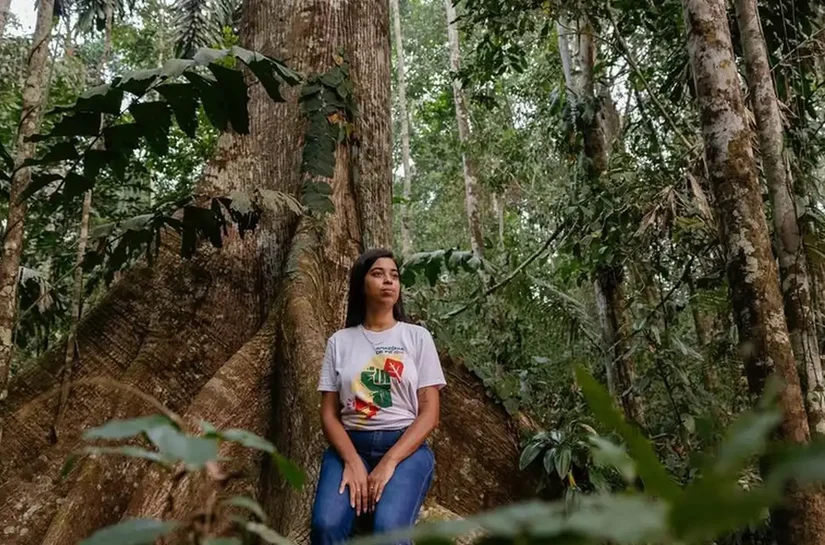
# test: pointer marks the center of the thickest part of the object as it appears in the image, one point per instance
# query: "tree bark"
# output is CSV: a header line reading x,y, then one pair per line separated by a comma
x,y
13,237
793,269
608,282
462,118
764,341
5,5
236,335
406,220
618,365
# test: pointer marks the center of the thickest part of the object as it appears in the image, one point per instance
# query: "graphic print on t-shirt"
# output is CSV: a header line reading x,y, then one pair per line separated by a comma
x,y
373,385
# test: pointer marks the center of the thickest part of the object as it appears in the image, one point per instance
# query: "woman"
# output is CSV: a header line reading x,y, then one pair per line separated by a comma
x,y
380,383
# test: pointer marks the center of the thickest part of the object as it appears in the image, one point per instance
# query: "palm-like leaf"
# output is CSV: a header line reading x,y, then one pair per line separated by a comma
x,y
200,23
92,13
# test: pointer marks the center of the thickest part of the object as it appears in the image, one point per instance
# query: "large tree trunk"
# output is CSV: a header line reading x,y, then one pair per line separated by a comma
x,y
608,284
764,343
13,236
236,335
462,117
793,269
406,220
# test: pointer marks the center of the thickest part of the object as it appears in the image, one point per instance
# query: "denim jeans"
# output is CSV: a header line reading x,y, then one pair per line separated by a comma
x,y
332,515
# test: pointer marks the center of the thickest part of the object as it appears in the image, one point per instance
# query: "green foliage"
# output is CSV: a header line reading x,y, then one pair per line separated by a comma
x,y
711,505
178,450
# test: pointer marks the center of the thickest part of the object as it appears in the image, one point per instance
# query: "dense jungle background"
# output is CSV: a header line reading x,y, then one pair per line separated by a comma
x,y
610,215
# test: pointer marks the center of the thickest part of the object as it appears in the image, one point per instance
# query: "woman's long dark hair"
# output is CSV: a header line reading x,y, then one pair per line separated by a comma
x,y
357,303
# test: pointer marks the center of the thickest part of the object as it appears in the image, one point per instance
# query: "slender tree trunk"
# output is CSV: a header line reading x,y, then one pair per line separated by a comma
x,y
498,210
764,341
13,236
793,270
5,6
462,118
82,240
608,283
610,299
406,221
236,335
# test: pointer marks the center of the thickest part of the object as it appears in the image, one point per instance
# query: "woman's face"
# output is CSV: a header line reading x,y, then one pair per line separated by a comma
x,y
381,285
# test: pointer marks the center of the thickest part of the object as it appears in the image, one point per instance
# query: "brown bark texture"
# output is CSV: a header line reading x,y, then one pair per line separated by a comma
x,y
236,335
406,219
765,346
793,268
15,223
462,117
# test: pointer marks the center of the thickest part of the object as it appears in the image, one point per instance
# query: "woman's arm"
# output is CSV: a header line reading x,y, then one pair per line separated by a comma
x,y
426,421
355,474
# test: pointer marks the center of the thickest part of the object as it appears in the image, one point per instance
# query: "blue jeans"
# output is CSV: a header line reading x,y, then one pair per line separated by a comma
x,y
332,515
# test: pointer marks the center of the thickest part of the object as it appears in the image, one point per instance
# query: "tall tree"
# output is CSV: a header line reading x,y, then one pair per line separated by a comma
x,y
793,268
609,281
462,117
235,336
82,240
764,341
406,220
5,5
13,236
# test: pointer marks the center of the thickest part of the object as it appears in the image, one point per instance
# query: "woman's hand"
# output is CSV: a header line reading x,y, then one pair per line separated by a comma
x,y
355,477
379,478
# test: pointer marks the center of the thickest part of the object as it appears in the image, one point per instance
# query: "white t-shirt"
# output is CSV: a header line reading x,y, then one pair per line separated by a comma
x,y
377,374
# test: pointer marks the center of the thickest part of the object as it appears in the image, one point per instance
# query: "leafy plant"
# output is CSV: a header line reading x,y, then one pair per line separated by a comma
x,y
567,455
180,450
661,512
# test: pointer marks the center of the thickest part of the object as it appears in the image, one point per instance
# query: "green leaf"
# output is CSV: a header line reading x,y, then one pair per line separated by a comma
x,y
137,82
6,158
154,119
121,429
234,96
93,162
132,532
79,124
206,55
39,181
804,464
175,67
122,139
267,534
247,439
184,103
607,454
194,452
130,452
709,507
264,69
549,463
76,184
61,151
747,437
529,454
563,459
249,504
290,471
656,479
212,100
101,99
316,197
290,76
